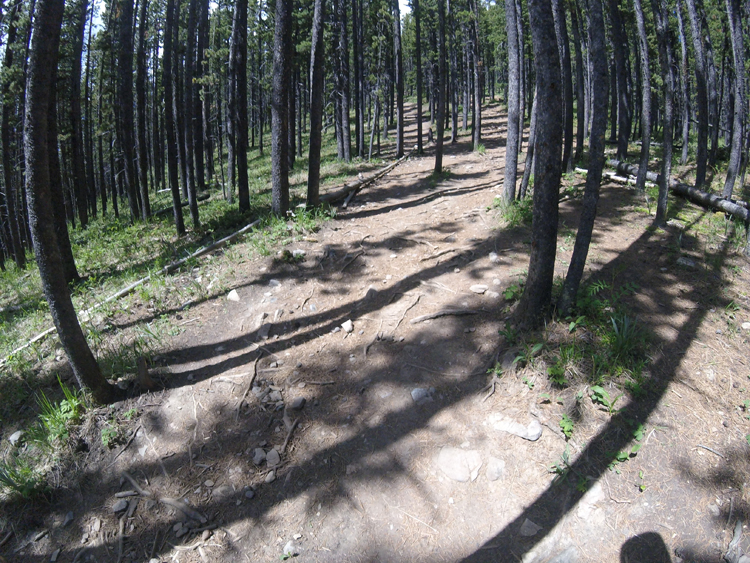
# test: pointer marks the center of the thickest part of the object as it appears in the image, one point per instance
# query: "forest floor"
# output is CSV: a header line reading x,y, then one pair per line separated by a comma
x,y
312,411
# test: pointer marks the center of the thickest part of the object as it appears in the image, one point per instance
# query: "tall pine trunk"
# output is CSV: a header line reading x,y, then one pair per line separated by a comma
x,y
317,74
282,74
514,91
140,95
640,182
738,57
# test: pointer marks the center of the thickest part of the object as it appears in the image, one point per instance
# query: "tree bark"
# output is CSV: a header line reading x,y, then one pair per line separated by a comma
x,y
738,56
399,60
140,91
685,90
511,144
600,84
441,83
317,74
563,44
418,57
40,84
125,102
619,46
282,70
701,94
14,232
640,182
169,124
80,182
477,136
666,57
537,294
580,88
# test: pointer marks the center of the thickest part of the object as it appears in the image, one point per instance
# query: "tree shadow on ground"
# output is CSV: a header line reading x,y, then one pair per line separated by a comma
x,y
382,446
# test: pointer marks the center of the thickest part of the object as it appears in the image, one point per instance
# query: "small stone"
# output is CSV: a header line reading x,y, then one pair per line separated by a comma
x,y
289,549
273,458
297,536
493,295
336,329
494,258
273,365
271,477
55,555
686,262
249,494
718,331
421,395
223,492
274,396
233,296
299,403
372,293
15,438
298,253
205,535
714,510
274,283
348,326
495,468
120,506
532,432
394,255
154,560
479,288
745,326
456,270
208,483
458,464
496,281
528,529
68,519
182,531
264,331
259,456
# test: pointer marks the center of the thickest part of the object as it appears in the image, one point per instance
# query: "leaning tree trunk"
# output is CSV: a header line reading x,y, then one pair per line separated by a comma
x,y
317,74
659,8
514,76
600,93
738,55
42,71
282,71
537,294
529,161
701,94
640,182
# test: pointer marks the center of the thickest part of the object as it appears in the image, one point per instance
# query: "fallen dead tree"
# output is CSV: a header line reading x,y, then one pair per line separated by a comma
x,y
166,210
348,191
86,315
704,199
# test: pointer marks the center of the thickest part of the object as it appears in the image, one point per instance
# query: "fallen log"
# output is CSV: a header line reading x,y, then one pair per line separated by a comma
x,y
704,199
348,191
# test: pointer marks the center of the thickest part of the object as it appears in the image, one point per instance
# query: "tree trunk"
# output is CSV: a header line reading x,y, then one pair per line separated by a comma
x,y
399,60
477,137
685,90
140,94
600,93
511,145
317,92
640,182
563,44
701,94
125,102
580,90
666,57
442,79
80,182
169,125
15,243
738,56
619,44
537,294
42,71
187,110
282,71
529,162
418,57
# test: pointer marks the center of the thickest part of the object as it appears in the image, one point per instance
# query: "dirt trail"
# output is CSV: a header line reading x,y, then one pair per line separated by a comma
x,y
395,454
